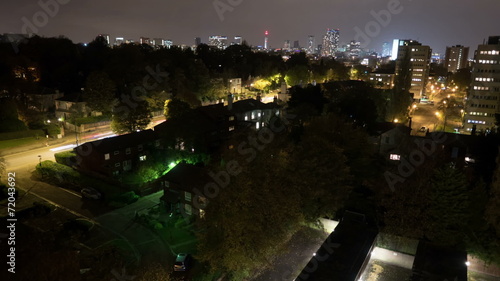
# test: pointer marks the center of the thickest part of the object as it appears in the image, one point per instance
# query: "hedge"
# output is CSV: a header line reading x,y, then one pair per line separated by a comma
x,y
22,134
65,158
57,173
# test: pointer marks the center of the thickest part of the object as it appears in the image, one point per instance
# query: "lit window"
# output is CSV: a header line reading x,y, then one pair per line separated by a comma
x,y
231,128
142,158
246,118
395,157
231,118
187,196
257,125
106,156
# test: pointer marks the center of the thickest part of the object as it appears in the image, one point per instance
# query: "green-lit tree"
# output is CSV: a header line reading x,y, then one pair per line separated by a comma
x,y
130,117
175,108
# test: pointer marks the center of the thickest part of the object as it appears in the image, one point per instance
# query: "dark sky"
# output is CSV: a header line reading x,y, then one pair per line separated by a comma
x,y
438,23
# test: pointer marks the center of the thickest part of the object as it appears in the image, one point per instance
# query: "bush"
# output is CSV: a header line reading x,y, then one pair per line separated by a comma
x,y
56,173
65,158
126,198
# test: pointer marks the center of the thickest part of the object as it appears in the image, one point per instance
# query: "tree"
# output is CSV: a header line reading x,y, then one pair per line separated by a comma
x,y
100,92
129,118
462,78
298,74
175,108
448,207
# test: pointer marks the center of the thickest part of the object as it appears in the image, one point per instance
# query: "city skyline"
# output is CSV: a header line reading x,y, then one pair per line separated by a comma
x,y
370,22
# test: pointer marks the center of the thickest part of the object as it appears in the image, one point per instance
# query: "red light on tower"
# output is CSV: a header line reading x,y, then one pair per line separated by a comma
x,y
266,33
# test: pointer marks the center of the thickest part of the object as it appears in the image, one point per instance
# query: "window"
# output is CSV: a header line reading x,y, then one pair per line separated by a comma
x,y
128,151
117,164
231,128
395,157
106,156
257,125
187,196
231,118
142,158
188,209
116,152
246,117
139,147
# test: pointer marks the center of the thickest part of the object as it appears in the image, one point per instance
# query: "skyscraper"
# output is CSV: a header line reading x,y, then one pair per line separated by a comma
x,y
238,40
218,41
456,58
197,41
296,45
412,67
484,91
330,42
386,49
286,45
106,37
310,45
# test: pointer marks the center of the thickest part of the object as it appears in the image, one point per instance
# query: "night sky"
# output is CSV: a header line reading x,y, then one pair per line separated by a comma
x,y
438,23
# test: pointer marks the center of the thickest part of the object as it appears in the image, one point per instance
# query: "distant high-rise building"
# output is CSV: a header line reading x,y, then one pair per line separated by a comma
x,y
168,43
456,58
218,41
436,58
158,42
412,67
354,49
197,41
286,45
330,42
106,37
119,41
395,48
296,45
386,49
238,40
266,40
145,40
484,91
310,45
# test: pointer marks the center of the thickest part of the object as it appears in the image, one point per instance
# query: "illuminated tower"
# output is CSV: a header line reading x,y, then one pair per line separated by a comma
x,y
265,39
330,42
310,45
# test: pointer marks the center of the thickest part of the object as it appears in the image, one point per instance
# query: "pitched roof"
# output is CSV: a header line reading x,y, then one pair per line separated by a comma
x,y
73,97
187,177
119,142
243,106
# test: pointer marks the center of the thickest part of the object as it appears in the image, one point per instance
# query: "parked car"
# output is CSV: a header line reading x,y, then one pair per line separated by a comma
x,y
182,262
90,193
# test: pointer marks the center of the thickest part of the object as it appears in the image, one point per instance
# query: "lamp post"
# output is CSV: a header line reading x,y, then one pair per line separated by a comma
x,y
40,160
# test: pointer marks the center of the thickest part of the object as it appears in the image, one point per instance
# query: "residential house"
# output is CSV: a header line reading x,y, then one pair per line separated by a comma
x,y
180,185
252,113
73,105
392,139
115,155
203,129
382,79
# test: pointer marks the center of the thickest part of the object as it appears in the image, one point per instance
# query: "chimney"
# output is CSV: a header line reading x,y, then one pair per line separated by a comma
x,y
230,102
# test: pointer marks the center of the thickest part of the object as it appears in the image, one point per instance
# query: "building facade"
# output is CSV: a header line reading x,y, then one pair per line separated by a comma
x,y
217,41
456,58
330,43
412,67
484,92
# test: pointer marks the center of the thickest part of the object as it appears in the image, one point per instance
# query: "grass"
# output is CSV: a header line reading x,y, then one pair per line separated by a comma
x,y
19,142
